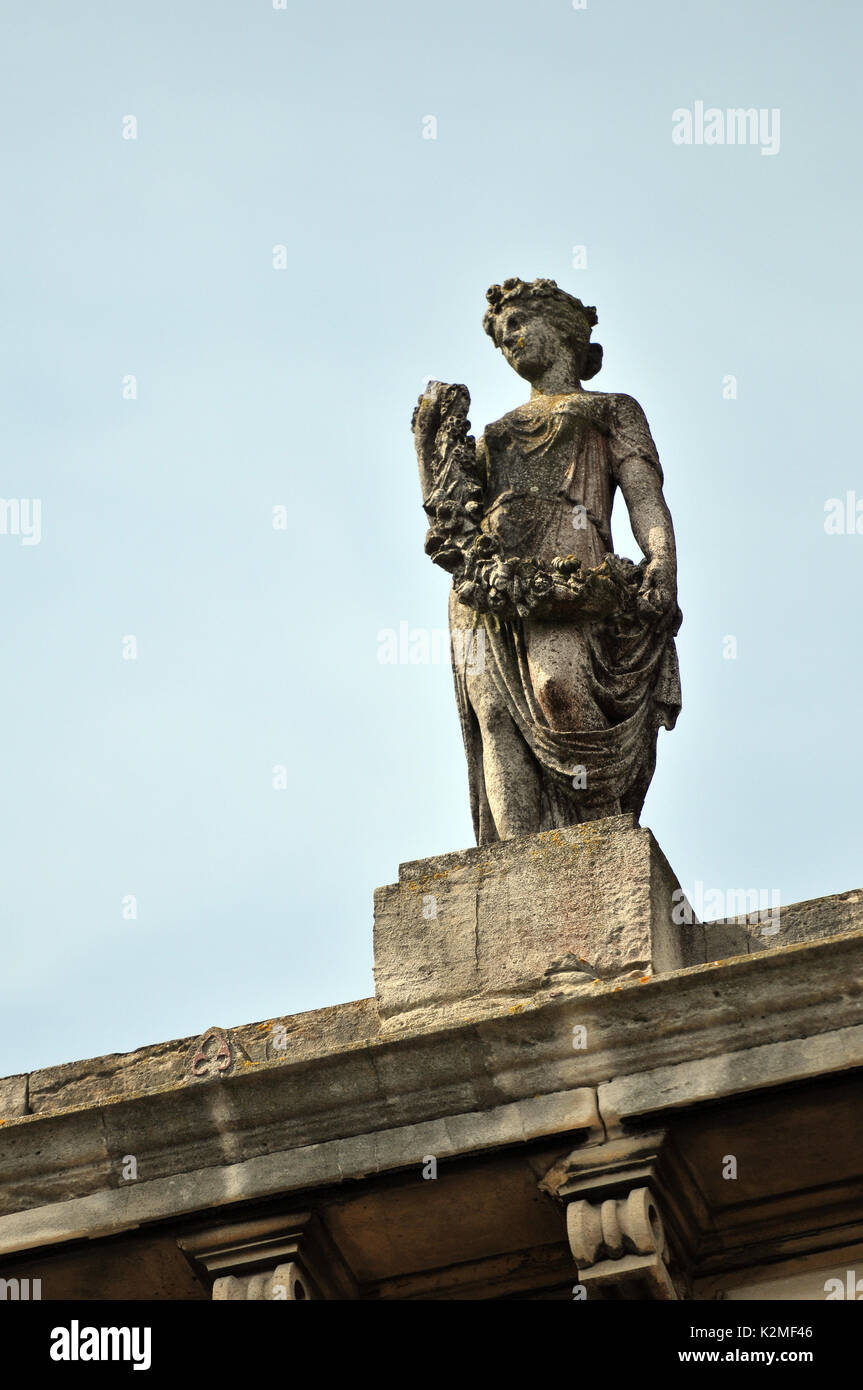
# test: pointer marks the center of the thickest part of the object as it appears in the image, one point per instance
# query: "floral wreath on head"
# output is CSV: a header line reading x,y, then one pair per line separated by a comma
x,y
572,316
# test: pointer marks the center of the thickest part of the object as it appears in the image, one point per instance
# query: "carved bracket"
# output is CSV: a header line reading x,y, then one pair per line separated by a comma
x,y
621,1243
629,1216
290,1258
287,1282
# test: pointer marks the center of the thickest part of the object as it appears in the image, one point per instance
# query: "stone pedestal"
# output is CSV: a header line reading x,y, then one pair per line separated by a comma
x,y
589,901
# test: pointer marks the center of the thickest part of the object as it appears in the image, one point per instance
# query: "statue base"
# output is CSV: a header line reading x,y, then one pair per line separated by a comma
x,y
553,911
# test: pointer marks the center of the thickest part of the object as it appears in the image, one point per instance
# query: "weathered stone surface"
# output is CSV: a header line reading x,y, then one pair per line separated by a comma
x,y
328,1098
690,1083
563,652
813,920
293,1038
13,1097
97,1079
183,1190
580,902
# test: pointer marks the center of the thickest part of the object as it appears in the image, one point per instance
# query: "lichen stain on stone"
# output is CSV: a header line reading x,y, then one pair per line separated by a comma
x,y
416,886
588,840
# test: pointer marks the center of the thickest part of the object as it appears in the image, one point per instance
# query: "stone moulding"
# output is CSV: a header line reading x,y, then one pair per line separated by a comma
x,y
714,1031
540,1010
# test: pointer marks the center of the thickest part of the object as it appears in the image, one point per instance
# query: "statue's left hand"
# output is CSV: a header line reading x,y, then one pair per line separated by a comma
x,y
658,593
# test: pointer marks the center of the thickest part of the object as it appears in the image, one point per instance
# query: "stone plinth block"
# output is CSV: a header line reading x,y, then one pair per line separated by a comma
x,y
585,901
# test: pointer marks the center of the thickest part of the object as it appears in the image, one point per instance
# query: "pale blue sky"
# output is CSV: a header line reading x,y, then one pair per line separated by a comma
x,y
153,257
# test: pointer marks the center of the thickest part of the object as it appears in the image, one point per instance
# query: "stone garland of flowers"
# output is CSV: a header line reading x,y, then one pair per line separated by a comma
x,y
482,578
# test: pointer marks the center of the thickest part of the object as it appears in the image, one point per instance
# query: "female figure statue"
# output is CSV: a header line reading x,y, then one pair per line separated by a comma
x,y
572,665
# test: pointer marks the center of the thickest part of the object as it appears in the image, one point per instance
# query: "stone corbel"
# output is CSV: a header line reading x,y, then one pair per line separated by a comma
x,y
289,1258
629,1216
286,1282
620,1246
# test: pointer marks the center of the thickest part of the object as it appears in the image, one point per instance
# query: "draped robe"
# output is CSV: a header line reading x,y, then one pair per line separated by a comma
x,y
550,471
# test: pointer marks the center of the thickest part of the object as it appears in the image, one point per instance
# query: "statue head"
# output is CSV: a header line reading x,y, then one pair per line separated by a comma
x,y
534,323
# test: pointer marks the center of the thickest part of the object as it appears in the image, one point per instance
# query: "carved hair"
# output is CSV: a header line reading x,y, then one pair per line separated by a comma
x,y
572,317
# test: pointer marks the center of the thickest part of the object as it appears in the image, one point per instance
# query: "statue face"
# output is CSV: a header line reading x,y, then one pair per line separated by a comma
x,y
531,341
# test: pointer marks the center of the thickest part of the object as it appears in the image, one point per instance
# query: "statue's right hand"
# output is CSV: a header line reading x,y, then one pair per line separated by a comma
x,y
426,418
425,423
440,425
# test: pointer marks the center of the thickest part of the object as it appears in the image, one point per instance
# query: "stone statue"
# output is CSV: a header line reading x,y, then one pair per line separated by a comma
x,y
563,652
